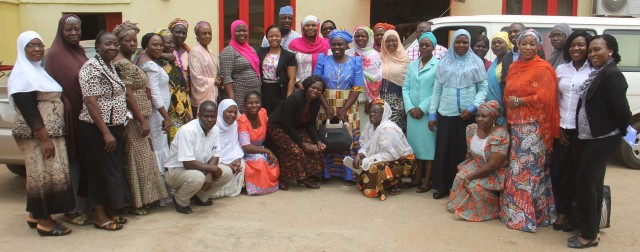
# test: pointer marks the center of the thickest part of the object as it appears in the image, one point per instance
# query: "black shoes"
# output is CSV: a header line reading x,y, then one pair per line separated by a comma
x,y
199,202
439,195
574,242
183,209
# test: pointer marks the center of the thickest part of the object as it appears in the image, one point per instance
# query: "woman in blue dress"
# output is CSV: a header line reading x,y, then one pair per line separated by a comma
x,y
343,76
416,94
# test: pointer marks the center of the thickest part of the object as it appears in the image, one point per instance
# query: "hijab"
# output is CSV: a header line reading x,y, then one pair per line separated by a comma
x,y
557,56
27,75
504,36
394,64
431,37
229,143
319,45
385,27
245,49
460,71
387,138
371,63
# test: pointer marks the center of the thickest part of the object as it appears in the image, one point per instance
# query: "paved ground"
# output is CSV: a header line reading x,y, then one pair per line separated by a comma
x,y
334,218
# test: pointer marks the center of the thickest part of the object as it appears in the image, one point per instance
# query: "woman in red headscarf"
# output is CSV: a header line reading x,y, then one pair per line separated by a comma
x,y
378,32
239,65
308,47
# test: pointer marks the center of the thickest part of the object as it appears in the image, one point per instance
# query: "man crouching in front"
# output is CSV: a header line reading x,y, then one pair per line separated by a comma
x,y
192,165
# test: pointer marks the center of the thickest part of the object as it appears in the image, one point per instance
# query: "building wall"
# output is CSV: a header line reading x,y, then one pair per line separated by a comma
x,y
476,7
347,14
149,14
9,29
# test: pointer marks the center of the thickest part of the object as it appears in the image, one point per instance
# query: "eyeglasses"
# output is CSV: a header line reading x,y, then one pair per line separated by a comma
x,y
557,36
33,46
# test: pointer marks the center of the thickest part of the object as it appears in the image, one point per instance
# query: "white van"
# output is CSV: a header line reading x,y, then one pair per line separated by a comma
x,y
625,30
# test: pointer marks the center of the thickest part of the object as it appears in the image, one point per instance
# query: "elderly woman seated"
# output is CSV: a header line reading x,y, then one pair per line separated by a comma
x,y
385,155
475,195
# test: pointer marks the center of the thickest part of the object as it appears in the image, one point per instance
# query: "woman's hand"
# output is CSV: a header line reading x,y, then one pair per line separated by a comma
x,y
321,146
466,115
236,166
299,85
145,130
48,149
109,142
309,148
511,101
564,139
357,160
416,113
341,114
433,125
166,125
218,82
272,158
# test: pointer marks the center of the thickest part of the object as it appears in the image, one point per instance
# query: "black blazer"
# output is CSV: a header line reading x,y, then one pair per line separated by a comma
x,y
606,102
288,115
287,59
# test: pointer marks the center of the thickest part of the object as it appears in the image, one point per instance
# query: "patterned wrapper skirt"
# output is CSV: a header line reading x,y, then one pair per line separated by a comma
x,y
141,168
383,175
48,183
295,164
334,166
527,200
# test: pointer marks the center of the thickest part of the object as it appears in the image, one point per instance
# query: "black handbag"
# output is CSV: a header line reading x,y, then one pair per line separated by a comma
x,y
337,136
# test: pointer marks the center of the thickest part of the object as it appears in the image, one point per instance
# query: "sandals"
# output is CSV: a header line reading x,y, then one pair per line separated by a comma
x,y
119,220
109,226
57,230
79,220
307,184
423,189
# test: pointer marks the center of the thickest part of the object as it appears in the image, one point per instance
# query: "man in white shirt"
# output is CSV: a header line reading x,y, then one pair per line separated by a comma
x,y
285,19
414,49
192,166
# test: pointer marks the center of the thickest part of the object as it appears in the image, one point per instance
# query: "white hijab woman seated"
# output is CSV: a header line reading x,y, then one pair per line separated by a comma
x,y
385,155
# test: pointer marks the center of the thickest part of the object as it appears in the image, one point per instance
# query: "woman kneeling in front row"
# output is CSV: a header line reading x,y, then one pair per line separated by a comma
x,y
385,155
475,195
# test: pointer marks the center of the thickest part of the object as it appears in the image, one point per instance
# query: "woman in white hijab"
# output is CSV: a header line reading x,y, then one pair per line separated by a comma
x,y
231,153
39,131
385,155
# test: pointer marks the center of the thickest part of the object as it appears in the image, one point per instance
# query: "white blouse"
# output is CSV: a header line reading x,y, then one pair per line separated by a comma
x,y
569,82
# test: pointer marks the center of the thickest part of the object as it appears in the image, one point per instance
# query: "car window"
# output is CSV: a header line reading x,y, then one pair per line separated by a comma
x,y
628,41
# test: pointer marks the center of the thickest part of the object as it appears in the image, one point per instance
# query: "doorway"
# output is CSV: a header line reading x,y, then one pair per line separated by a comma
x,y
406,14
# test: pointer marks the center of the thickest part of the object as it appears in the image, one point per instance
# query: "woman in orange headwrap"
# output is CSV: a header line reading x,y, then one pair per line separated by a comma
x,y
378,32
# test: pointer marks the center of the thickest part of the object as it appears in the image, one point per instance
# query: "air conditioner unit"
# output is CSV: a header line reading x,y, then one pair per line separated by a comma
x,y
616,7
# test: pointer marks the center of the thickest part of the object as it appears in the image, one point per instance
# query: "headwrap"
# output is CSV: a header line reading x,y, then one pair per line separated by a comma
x,y
201,23
493,107
319,45
394,64
431,37
530,33
504,36
229,143
371,63
125,27
384,26
178,21
245,49
163,32
460,71
71,18
27,75
286,10
343,34
65,69
557,56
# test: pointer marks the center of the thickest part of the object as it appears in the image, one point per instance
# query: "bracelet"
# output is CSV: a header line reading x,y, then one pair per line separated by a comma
x,y
516,102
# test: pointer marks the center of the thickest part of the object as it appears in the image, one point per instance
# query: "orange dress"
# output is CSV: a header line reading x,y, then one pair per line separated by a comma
x,y
260,177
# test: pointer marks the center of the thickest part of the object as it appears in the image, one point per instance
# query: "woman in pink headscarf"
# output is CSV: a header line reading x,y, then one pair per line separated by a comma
x,y
239,65
308,47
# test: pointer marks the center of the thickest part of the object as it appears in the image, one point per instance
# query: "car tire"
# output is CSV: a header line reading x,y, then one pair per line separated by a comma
x,y
19,170
631,156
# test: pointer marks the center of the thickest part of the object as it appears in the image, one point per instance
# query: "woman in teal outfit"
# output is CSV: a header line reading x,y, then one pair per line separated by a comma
x,y
500,45
416,93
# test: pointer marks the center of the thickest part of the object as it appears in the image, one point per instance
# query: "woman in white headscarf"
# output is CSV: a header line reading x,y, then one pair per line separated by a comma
x,y
231,152
39,131
385,155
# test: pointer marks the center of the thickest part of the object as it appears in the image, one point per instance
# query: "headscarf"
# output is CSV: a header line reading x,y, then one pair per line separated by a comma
x,y
229,143
460,71
504,36
201,23
386,139
493,107
319,45
27,75
63,65
557,56
384,26
431,37
163,32
371,63
530,33
178,21
394,64
125,27
341,34
245,49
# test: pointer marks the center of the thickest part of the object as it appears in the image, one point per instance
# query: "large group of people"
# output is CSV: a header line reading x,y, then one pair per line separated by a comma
x,y
115,134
